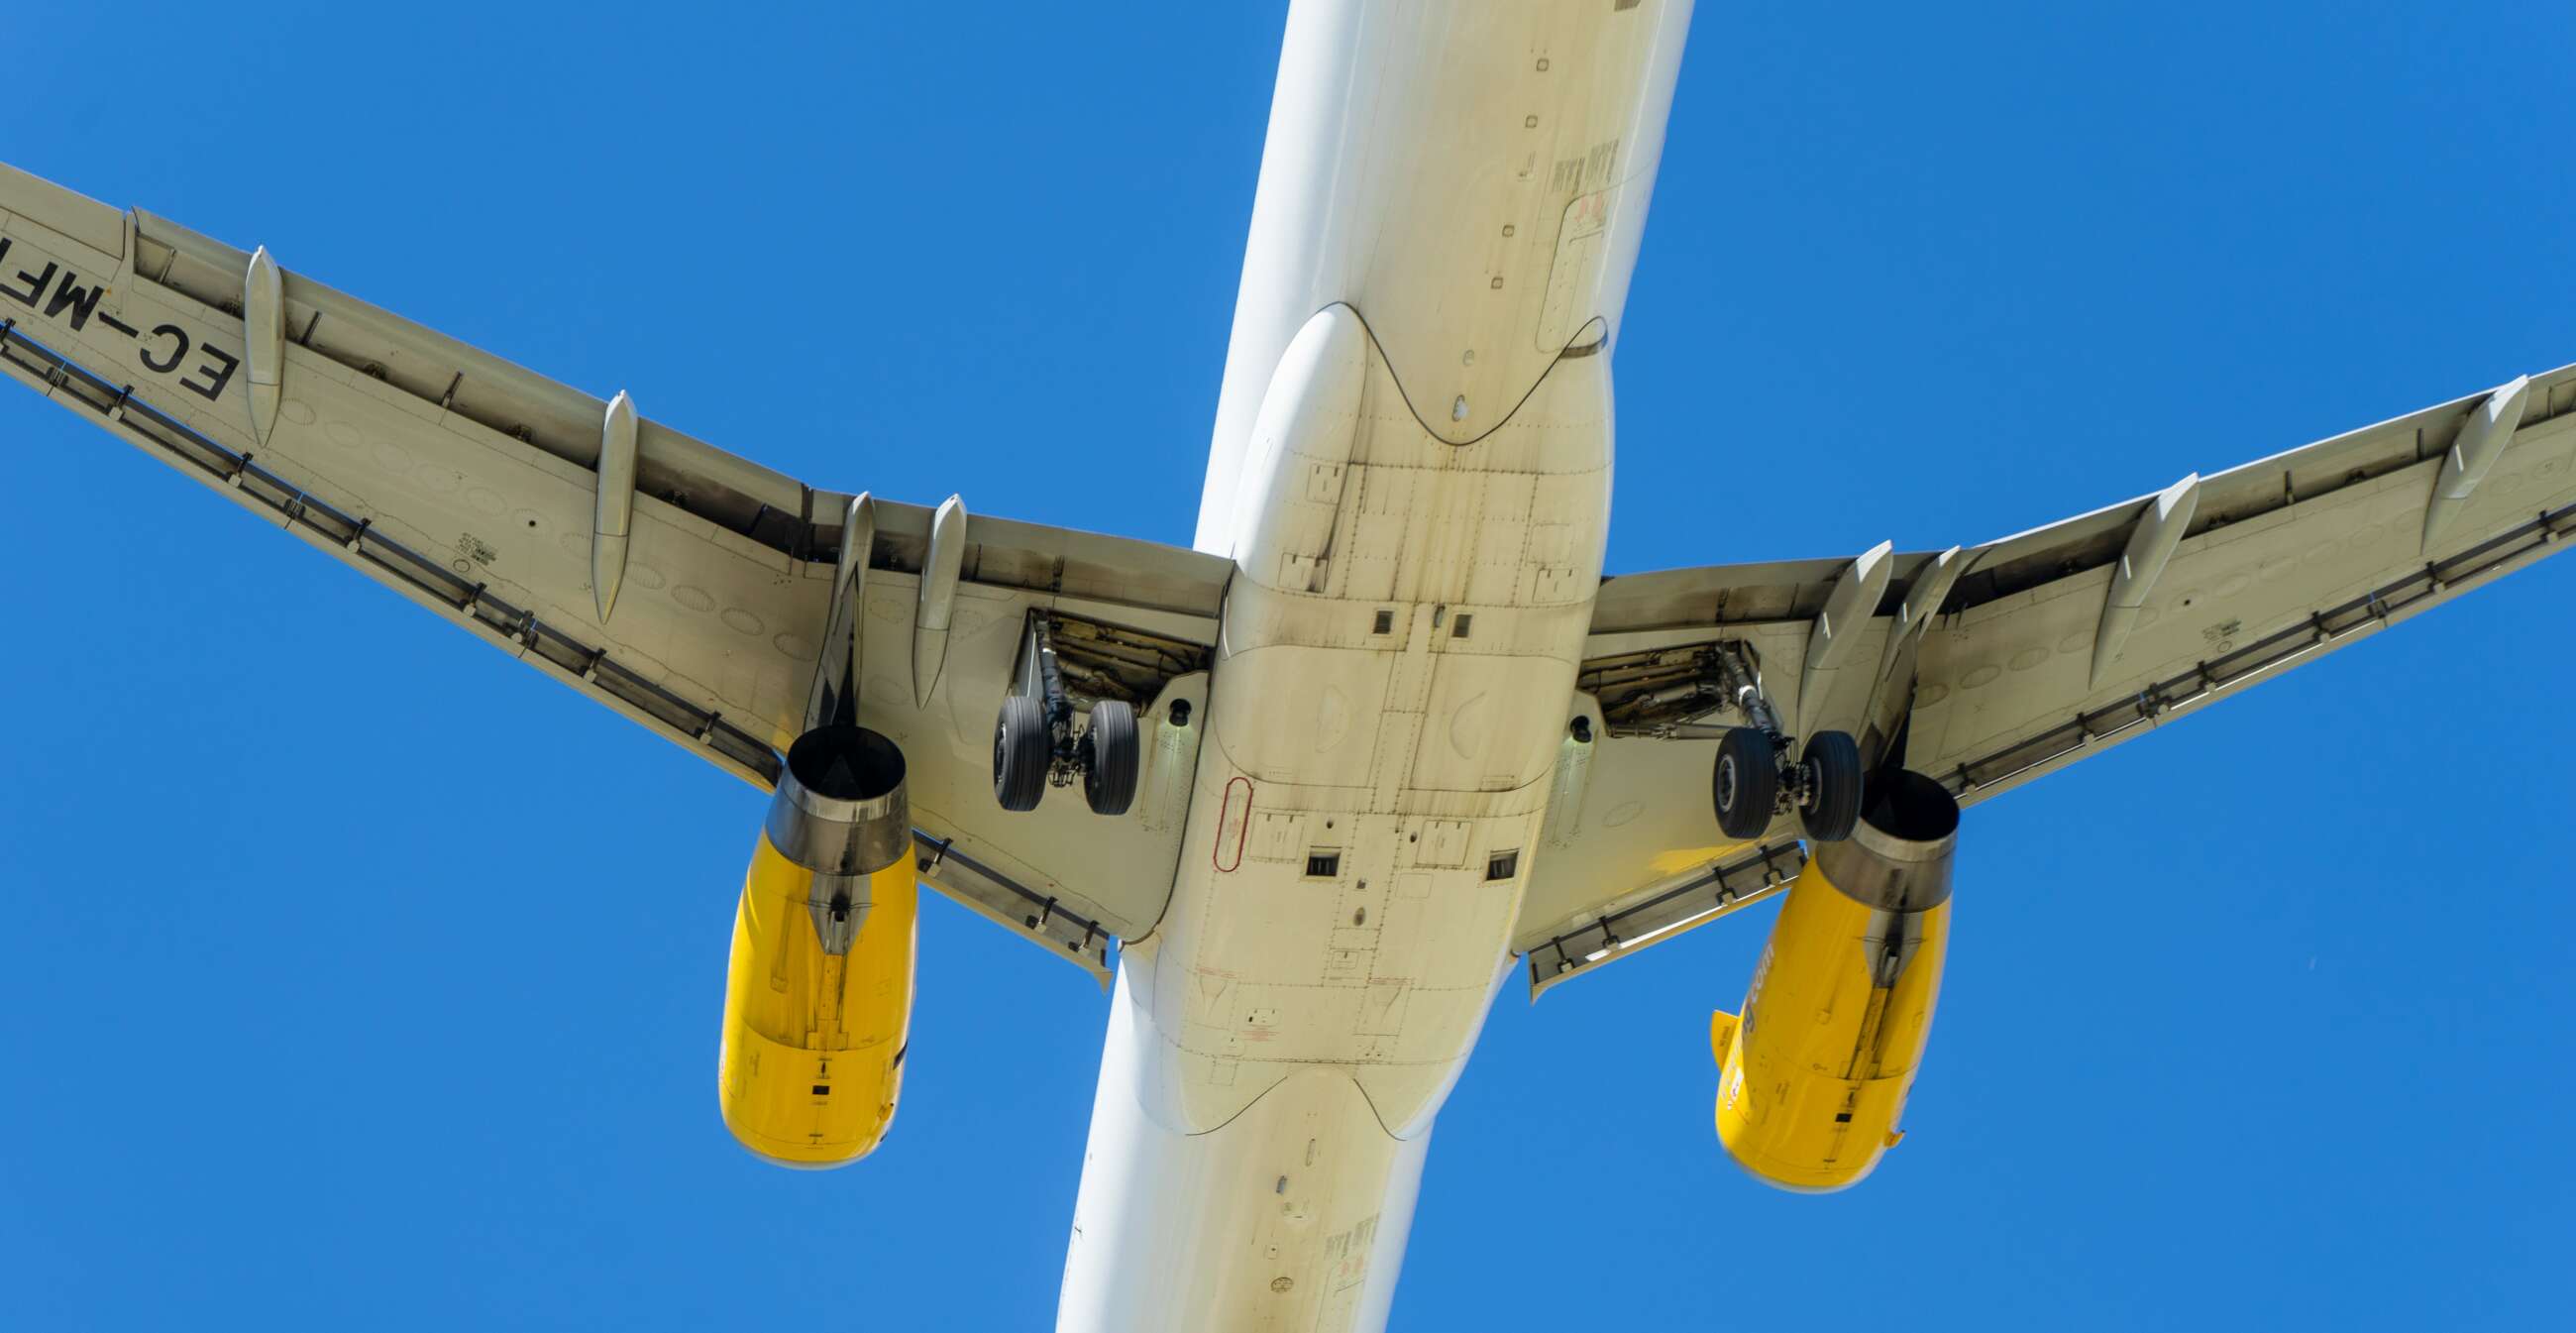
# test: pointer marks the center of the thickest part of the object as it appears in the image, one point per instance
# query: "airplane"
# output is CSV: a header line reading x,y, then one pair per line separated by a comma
x,y
1681,695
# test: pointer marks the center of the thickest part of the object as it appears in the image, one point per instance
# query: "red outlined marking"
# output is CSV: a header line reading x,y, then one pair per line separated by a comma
x,y
1243,826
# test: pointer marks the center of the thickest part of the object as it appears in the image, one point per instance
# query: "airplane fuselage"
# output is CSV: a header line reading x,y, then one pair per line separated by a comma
x,y
1411,472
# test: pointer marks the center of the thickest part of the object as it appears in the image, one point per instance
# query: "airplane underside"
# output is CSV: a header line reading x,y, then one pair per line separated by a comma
x,y
1308,797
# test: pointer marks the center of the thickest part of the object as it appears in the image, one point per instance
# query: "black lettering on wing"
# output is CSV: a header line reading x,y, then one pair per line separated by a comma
x,y
176,352
36,285
219,378
117,324
76,298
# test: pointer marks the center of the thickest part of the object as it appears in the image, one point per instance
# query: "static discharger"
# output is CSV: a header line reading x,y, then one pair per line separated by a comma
x,y
1812,1080
818,998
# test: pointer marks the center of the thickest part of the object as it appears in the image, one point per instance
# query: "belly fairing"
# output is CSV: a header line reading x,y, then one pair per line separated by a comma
x,y
1396,663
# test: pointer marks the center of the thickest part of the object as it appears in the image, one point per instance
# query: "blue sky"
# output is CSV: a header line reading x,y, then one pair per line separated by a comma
x,y
351,975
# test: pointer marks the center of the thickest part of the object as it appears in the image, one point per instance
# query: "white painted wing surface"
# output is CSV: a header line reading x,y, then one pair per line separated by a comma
x,y
1997,664
473,486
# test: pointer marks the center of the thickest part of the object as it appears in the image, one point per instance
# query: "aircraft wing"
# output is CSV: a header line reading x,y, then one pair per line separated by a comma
x,y
1988,666
482,492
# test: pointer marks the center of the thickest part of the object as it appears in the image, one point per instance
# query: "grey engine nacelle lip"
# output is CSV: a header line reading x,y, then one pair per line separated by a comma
x,y
1898,859
840,807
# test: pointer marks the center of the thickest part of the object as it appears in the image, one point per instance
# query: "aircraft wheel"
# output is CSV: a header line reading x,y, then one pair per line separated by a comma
x,y
1109,782
1832,810
1023,750
1745,785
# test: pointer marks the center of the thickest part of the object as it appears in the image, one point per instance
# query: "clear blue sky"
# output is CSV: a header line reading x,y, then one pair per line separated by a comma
x,y
353,976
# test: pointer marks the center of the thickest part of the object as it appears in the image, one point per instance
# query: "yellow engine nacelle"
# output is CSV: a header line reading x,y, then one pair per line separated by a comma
x,y
818,999
1811,1081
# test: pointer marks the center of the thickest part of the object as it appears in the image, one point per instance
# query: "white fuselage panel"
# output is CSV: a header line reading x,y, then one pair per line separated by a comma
x,y
1411,470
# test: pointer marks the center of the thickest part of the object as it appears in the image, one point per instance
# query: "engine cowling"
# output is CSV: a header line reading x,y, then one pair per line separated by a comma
x,y
818,997
1813,1078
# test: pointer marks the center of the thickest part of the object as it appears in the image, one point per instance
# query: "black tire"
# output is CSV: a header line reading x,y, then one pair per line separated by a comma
x,y
1832,759
1023,750
1744,784
1109,783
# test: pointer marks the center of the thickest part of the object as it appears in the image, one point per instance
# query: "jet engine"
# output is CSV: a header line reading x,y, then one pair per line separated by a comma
x,y
1813,1078
818,999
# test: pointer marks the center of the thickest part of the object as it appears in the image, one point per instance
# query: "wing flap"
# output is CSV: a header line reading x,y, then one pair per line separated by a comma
x,y
2024,667
2003,694
1561,951
470,485
564,651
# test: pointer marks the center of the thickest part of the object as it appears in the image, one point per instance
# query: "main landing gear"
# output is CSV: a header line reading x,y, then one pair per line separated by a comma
x,y
1754,782
1035,746
1670,693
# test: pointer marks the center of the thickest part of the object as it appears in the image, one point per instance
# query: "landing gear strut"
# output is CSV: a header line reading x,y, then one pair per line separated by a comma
x,y
1034,745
